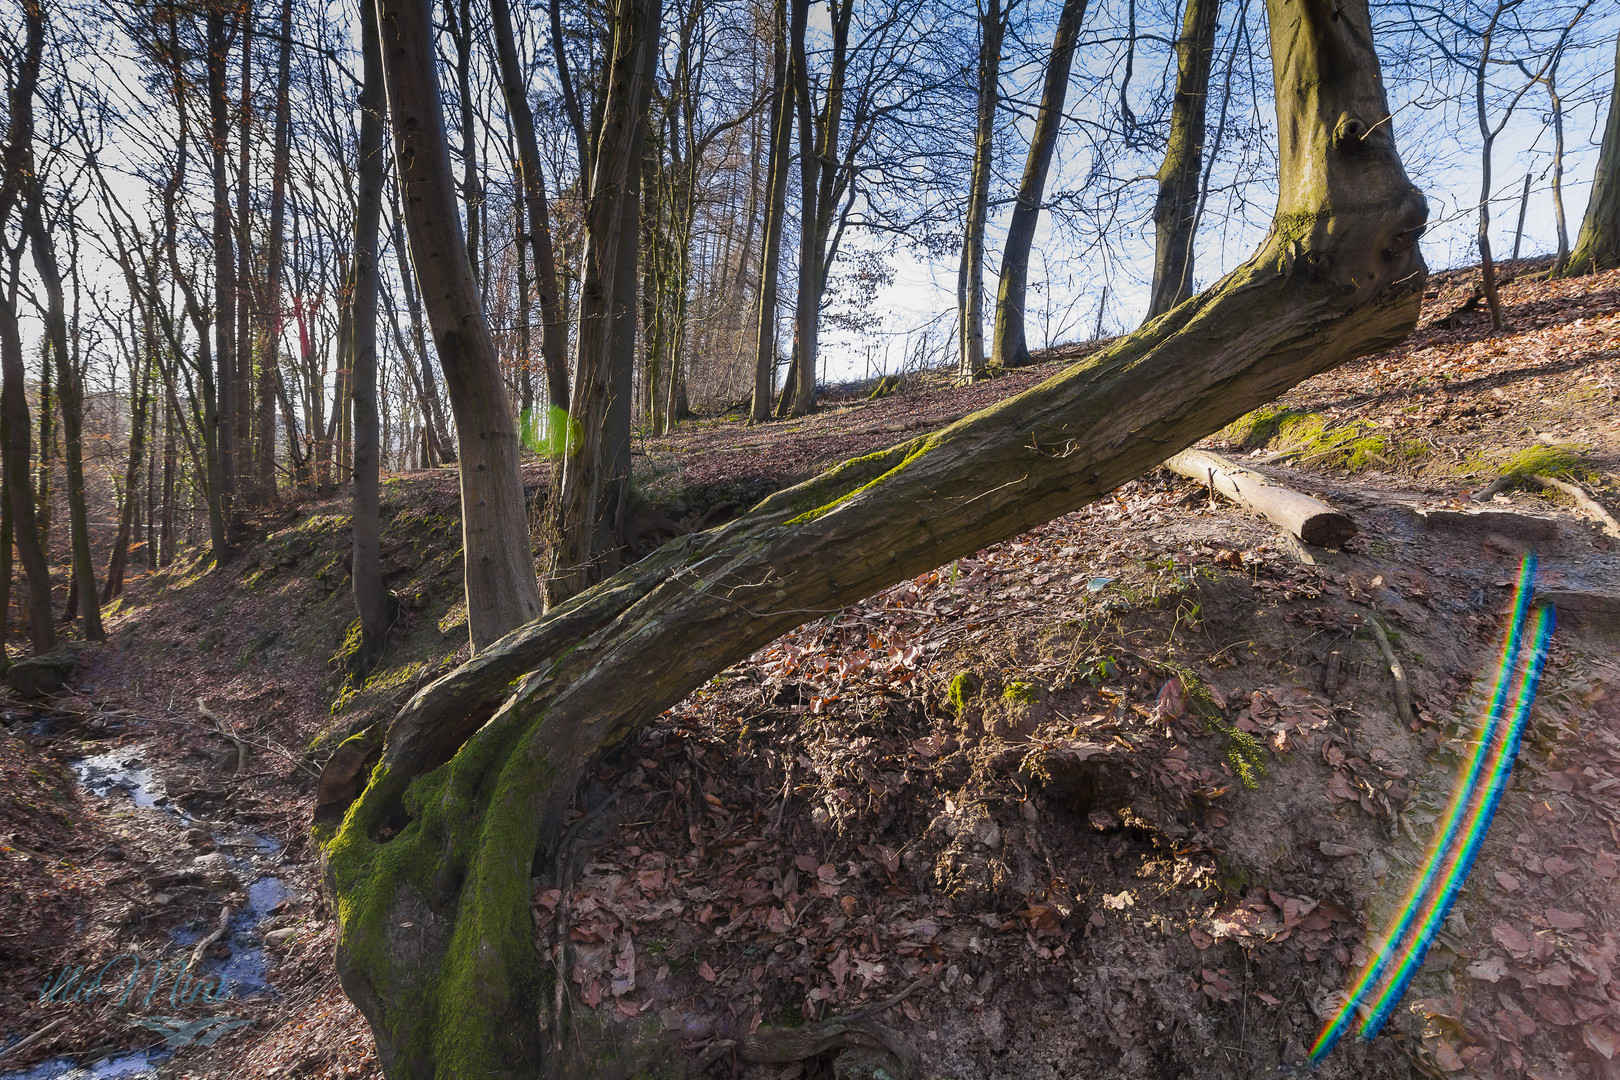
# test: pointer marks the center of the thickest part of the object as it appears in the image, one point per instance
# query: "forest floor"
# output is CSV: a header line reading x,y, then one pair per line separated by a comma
x,y
1126,796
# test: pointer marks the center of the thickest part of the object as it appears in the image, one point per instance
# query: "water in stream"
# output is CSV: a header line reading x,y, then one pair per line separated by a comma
x,y
248,854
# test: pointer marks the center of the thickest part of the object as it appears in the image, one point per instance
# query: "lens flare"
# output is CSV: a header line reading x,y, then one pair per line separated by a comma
x,y
1460,830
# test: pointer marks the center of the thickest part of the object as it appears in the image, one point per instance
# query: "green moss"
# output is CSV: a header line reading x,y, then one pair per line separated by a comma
x,y
466,855
824,494
1021,692
1540,460
963,688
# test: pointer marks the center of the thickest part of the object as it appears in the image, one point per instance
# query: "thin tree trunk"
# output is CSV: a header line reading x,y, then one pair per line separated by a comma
x,y
19,464
16,173
434,416
1597,247
1008,345
775,210
224,261
500,580
590,505
472,196
270,342
1339,276
1556,103
970,282
242,407
553,330
140,396
1175,213
370,598
69,394
1487,265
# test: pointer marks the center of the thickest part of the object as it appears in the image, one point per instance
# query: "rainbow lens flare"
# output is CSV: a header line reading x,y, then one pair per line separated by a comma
x,y
1460,830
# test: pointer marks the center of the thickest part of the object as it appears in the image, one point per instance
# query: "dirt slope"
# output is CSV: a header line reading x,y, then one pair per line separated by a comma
x,y
1087,799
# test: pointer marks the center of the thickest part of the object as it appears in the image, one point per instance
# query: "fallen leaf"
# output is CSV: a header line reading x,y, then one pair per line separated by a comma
x,y
708,973
1507,881
1491,970
1267,998
1200,939
1565,920
1337,851
1600,1039
1510,939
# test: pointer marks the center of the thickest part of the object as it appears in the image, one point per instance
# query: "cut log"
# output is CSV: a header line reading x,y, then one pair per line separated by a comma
x,y
1306,518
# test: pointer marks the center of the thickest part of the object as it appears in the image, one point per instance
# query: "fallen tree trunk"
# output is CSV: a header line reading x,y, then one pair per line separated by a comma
x,y
1307,518
430,867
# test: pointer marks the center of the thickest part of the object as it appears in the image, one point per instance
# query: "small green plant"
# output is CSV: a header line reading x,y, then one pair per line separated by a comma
x,y
1023,693
963,688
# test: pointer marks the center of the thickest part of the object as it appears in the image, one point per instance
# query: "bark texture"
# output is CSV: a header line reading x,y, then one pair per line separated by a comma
x,y
590,507
1175,213
775,208
1009,348
502,592
1597,247
430,866
370,597
970,283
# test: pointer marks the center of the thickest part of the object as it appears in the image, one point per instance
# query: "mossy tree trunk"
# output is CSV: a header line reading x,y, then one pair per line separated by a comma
x,y
1008,347
430,865
1598,245
502,592
1175,213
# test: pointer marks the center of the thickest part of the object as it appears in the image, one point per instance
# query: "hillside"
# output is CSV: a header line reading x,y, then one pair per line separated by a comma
x,y
1125,796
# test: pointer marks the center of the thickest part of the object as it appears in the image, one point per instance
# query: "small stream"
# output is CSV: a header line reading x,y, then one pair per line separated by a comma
x,y
249,855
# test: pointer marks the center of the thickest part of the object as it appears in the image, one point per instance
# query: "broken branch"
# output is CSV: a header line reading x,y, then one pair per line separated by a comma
x,y
1309,519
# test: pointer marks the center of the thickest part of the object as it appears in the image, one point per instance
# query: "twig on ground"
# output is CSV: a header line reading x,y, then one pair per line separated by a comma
x,y
1582,500
206,943
25,1043
1403,692
225,729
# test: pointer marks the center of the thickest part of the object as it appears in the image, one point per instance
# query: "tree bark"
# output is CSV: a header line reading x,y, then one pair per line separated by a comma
x,y
224,260
1597,246
433,416
370,598
553,331
970,282
70,395
1300,515
17,163
500,581
140,403
271,321
591,502
1487,264
20,473
1009,348
780,152
1176,211
476,771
